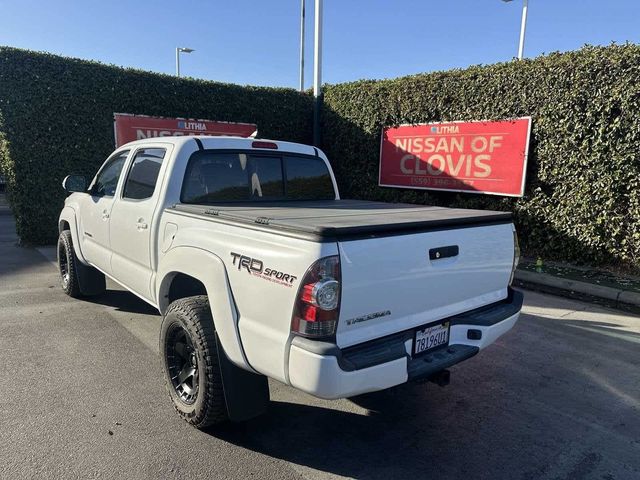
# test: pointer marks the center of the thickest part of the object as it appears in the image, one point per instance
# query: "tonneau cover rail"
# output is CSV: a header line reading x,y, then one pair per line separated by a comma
x,y
331,220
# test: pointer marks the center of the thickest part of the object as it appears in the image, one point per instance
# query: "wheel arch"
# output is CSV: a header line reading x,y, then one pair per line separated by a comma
x,y
182,286
183,272
67,221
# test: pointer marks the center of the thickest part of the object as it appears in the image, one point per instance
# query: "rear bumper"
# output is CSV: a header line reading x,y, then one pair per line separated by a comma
x,y
324,370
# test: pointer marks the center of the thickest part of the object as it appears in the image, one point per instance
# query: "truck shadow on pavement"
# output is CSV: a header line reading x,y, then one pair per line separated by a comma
x,y
123,301
340,442
557,398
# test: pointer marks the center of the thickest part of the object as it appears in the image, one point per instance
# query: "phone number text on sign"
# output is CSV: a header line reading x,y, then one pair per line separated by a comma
x,y
474,157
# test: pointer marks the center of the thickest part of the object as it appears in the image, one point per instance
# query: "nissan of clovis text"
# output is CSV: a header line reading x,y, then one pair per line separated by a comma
x,y
261,271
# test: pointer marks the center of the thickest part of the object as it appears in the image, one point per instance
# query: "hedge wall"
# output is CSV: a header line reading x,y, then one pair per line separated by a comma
x,y
582,200
56,117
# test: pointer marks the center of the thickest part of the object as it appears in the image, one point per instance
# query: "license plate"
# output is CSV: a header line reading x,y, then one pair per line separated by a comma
x,y
430,338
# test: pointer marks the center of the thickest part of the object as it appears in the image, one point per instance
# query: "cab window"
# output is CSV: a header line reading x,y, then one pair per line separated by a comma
x,y
214,176
106,181
143,174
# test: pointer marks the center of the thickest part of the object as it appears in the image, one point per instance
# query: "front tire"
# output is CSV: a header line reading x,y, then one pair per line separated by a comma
x,y
76,278
67,265
190,361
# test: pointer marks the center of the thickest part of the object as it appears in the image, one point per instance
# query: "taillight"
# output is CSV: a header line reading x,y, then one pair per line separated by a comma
x,y
317,306
516,256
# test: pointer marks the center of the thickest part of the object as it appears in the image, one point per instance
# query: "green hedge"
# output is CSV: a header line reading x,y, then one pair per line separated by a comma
x,y
582,201
58,119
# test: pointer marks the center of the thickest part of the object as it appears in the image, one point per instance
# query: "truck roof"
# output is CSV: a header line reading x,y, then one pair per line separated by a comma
x,y
231,143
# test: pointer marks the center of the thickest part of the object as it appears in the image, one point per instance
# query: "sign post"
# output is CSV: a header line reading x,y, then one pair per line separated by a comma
x,y
476,157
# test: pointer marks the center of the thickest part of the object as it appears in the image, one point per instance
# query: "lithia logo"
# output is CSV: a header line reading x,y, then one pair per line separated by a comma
x,y
256,267
445,129
199,126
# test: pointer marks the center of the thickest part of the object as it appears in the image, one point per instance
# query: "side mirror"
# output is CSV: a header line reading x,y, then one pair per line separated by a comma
x,y
74,183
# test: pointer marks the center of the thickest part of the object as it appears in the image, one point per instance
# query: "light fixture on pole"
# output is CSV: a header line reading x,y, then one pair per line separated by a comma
x,y
180,50
317,72
302,20
523,26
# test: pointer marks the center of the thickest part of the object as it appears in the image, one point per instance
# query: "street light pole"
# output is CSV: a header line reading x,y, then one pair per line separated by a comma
x,y
523,26
178,51
302,21
317,72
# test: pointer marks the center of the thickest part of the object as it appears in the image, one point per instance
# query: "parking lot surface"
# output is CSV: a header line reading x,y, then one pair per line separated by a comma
x,y
81,396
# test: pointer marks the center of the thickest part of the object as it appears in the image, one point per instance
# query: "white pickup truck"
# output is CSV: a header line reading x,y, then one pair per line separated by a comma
x,y
260,270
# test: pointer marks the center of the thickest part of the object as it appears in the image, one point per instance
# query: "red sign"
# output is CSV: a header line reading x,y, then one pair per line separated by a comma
x,y
475,157
130,127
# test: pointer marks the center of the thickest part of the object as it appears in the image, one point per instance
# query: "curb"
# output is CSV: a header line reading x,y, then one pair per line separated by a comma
x,y
612,297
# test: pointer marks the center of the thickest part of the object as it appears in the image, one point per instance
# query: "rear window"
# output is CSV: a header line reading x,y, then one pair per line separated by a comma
x,y
213,177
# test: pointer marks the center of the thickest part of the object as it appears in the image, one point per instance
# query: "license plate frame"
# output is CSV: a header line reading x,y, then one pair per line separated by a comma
x,y
429,333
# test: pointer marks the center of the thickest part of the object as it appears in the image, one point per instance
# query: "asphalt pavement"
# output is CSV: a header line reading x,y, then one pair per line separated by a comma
x,y
81,396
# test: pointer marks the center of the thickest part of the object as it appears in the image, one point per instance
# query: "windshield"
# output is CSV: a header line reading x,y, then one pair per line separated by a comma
x,y
218,176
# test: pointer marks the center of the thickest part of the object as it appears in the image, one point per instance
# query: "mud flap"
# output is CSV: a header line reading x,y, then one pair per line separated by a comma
x,y
246,394
90,280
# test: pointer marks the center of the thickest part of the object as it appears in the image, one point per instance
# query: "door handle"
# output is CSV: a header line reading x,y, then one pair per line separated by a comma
x,y
105,215
141,224
444,252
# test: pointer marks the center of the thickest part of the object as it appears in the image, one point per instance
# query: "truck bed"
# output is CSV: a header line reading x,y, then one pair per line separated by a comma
x,y
342,219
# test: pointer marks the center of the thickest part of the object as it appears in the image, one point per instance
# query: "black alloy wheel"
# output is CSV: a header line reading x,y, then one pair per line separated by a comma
x,y
189,352
67,264
63,263
182,363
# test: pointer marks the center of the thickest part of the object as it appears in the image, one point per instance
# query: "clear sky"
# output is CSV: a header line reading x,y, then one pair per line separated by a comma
x,y
256,41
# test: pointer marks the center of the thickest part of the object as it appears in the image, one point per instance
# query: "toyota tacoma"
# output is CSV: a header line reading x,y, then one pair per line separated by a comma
x,y
260,270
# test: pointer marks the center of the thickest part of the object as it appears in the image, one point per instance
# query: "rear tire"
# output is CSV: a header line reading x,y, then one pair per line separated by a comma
x,y
190,362
67,265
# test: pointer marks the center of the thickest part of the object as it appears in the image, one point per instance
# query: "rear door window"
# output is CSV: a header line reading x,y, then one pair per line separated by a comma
x,y
143,174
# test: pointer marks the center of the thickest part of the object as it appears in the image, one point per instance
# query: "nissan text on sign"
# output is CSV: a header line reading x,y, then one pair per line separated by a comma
x,y
128,127
475,157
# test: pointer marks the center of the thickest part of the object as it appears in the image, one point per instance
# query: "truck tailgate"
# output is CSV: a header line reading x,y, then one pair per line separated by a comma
x,y
398,282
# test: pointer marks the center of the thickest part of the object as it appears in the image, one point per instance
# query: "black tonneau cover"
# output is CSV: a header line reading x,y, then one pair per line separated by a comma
x,y
341,219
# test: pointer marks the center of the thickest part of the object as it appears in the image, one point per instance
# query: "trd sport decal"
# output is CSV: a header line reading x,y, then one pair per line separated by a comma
x,y
256,267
